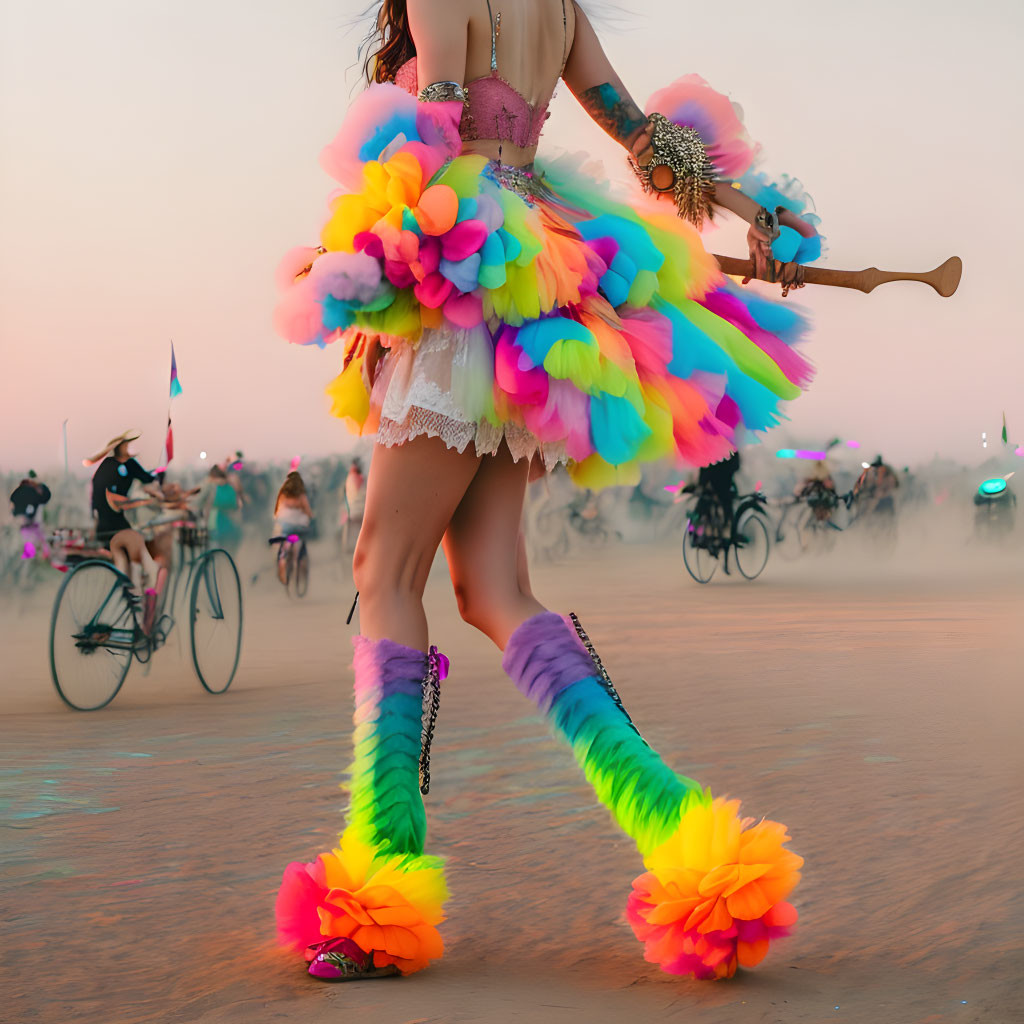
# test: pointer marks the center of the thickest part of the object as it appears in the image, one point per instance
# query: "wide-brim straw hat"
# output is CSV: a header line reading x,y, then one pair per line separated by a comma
x,y
111,445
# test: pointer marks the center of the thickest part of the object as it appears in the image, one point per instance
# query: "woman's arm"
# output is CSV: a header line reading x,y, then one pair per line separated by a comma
x,y
440,30
122,503
593,81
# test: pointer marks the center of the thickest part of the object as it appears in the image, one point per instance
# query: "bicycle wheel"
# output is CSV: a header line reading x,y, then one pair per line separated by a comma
x,y
752,544
302,572
215,620
92,635
699,561
289,567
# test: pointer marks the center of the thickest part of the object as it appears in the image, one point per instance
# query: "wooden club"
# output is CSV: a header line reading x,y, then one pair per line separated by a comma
x,y
944,279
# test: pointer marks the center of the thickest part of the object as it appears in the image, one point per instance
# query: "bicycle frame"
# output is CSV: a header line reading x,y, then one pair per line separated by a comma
x,y
130,631
164,621
291,548
705,501
195,553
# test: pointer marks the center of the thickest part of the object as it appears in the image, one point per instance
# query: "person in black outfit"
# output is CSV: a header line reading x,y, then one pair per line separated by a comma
x,y
719,479
27,499
111,482
717,483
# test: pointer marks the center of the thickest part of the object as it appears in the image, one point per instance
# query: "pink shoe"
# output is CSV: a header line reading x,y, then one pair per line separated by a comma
x,y
343,960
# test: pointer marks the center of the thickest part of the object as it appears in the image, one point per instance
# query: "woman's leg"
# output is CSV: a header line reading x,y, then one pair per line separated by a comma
x,y
130,556
412,494
703,907
713,896
485,550
373,904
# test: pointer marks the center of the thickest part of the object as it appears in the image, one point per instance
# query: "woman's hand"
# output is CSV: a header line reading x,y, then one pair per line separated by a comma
x,y
766,267
759,245
790,276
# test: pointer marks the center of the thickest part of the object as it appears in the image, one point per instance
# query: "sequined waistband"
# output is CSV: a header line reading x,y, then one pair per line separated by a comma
x,y
524,181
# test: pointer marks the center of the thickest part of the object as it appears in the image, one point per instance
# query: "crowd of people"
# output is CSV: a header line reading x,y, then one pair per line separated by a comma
x,y
133,512
234,500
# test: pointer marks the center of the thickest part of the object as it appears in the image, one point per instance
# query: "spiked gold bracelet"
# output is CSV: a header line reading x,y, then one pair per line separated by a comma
x,y
682,150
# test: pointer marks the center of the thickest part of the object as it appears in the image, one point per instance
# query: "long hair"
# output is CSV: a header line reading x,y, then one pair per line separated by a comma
x,y
389,43
293,487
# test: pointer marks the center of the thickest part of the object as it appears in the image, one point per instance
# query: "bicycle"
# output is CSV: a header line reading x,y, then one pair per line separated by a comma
x,y
812,526
707,537
27,556
292,551
97,627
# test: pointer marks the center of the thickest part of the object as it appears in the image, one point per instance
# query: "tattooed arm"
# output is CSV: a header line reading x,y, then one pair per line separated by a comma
x,y
593,81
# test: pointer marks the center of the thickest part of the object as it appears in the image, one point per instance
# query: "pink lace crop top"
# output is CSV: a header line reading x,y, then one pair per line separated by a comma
x,y
494,109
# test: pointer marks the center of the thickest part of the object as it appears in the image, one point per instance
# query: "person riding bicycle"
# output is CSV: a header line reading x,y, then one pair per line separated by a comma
x,y
875,488
27,500
819,491
718,482
292,515
716,491
118,469
173,510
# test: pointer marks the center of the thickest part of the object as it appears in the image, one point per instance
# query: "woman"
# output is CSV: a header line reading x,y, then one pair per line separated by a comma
x,y
495,313
355,504
292,515
117,469
222,501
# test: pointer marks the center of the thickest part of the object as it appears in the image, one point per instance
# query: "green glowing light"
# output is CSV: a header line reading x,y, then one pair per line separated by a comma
x,y
994,486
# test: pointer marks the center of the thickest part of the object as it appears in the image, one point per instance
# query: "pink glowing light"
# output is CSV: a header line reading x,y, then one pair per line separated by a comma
x,y
295,463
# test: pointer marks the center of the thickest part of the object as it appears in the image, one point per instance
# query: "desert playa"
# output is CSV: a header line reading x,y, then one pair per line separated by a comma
x,y
876,710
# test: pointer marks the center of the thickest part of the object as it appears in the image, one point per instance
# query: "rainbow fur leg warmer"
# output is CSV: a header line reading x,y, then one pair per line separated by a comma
x,y
713,895
377,888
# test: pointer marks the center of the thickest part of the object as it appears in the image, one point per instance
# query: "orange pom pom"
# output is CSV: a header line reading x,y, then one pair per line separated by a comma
x,y
713,896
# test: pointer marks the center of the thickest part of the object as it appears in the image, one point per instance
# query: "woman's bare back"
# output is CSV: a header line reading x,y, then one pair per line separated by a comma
x,y
531,43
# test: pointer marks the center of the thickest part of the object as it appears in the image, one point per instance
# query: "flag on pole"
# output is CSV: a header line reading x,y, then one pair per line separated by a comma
x,y
175,383
1004,428
169,442
175,390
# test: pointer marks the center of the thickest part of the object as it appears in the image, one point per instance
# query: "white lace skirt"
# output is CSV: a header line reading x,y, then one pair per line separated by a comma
x,y
444,388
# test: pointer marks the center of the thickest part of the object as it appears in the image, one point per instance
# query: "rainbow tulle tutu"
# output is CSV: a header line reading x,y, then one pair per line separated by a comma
x,y
533,307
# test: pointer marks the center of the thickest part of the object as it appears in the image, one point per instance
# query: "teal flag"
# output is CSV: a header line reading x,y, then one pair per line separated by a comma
x,y
175,383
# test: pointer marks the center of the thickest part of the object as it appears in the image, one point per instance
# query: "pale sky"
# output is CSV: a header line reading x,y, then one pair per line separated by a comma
x,y
158,156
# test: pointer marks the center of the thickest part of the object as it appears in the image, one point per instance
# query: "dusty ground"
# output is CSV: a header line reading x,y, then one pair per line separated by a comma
x,y
875,709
